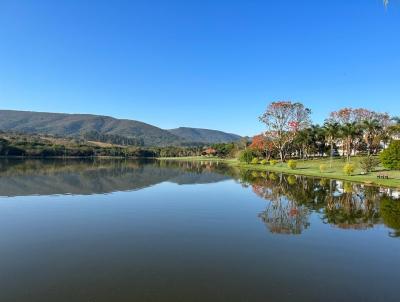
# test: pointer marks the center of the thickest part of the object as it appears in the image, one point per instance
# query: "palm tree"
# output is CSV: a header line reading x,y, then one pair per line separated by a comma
x,y
331,130
303,141
318,139
349,132
371,129
394,129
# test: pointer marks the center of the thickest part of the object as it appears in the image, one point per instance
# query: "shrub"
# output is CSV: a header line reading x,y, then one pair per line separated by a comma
x,y
323,168
254,161
348,169
390,157
324,182
264,162
347,187
255,174
246,156
291,179
273,162
272,176
292,164
368,163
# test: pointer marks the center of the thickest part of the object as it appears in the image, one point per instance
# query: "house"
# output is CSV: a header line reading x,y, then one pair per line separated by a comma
x,y
209,152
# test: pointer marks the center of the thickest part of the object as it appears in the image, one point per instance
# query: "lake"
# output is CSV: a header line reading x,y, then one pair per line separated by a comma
x,y
115,230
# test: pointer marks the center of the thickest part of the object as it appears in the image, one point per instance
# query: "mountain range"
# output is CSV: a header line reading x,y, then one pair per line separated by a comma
x,y
76,125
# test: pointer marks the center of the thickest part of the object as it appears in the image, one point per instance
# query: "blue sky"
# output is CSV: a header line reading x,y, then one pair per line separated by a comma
x,y
211,64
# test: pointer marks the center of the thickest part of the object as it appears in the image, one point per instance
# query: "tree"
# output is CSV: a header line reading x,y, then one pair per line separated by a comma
x,y
392,130
310,140
247,156
368,163
303,142
372,129
262,144
390,157
318,139
371,125
258,143
349,132
223,149
331,133
284,120
396,119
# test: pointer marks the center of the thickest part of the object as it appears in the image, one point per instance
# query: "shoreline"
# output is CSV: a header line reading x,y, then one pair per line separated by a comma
x,y
75,157
303,169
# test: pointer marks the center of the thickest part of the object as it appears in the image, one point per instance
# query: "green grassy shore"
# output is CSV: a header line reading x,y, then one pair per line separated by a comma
x,y
311,167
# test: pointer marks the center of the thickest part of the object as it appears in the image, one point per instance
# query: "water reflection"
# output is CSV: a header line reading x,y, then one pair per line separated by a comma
x,y
20,177
292,199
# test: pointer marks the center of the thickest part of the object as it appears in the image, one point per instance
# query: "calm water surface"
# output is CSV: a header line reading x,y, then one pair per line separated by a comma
x,y
96,231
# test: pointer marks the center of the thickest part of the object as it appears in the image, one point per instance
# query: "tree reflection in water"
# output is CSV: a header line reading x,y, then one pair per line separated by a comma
x,y
292,199
282,215
354,208
285,217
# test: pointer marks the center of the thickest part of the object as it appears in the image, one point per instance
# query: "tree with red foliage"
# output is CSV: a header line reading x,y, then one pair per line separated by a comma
x,y
262,144
284,119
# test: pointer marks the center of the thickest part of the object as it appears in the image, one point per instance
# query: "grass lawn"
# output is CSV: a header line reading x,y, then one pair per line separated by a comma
x,y
312,168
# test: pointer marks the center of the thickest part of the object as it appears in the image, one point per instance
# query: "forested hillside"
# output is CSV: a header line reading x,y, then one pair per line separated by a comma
x,y
105,128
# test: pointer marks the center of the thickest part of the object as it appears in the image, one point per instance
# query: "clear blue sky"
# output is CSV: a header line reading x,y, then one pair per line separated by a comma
x,y
211,64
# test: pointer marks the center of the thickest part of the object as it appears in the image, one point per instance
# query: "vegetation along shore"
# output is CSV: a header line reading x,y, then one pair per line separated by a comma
x,y
354,144
310,168
360,145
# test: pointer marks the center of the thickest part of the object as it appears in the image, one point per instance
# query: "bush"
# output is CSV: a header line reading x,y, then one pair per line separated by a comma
x,y
292,164
323,168
390,157
348,187
255,174
324,182
273,162
272,176
254,161
246,156
264,162
291,180
348,169
368,163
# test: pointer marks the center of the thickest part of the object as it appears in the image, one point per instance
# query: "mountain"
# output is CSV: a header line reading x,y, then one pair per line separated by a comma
x,y
76,125
204,135
85,177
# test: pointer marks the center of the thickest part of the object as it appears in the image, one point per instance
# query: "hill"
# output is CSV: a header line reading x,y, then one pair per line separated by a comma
x,y
204,135
77,125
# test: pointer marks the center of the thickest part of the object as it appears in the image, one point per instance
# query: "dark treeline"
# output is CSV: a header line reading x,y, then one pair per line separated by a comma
x,y
113,139
35,145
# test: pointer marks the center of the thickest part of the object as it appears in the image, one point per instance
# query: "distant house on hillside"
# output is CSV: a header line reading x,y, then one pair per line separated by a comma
x,y
209,152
